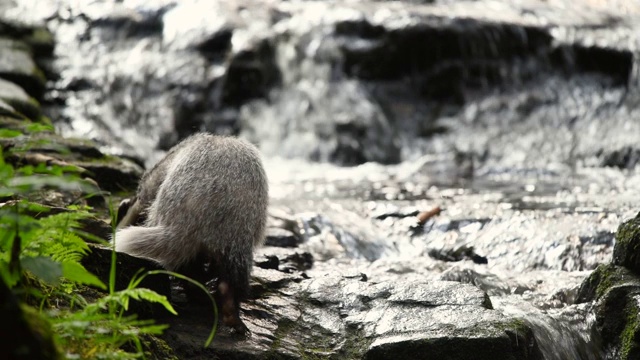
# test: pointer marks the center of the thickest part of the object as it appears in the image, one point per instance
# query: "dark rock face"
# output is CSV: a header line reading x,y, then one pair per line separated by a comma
x,y
625,158
615,63
442,53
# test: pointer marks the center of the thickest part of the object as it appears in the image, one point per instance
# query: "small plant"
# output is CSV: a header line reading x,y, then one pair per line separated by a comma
x,y
40,254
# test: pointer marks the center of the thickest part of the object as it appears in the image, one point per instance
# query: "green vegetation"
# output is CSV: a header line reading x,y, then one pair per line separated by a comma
x,y
40,253
628,343
627,245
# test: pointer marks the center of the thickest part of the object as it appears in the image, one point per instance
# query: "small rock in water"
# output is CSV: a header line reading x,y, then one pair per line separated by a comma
x,y
268,262
281,238
489,283
458,254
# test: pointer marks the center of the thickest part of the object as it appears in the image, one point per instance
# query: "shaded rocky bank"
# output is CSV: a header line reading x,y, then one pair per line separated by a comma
x,y
516,120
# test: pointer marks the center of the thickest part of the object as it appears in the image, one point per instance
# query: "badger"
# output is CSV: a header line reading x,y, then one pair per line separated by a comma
x,y
204,204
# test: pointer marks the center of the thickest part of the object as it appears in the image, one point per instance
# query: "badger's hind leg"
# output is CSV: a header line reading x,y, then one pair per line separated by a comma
x,y
232,287
229,307
222,278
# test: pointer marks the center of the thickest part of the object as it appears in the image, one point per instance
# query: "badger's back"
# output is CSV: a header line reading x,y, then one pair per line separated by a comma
x,y
136,208
214,198
210,198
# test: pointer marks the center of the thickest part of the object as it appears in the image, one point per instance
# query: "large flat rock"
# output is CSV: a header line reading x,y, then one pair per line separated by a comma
x,y
351,317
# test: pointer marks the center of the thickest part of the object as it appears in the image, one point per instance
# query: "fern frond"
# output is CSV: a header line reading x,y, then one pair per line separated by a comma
x,y
122,298
57,238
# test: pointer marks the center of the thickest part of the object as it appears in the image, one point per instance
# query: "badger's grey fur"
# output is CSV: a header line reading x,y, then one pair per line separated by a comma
x,y
206,201
134,211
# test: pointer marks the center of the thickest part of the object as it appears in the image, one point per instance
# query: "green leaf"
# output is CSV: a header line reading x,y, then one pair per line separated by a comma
x,y
7,234
77,273
26,184
6,173
27,206
8,133
44,268
39,127
122,298
10,278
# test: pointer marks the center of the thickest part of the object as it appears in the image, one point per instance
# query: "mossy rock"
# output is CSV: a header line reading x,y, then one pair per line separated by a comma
x,y
9,115
602,279
39,39
511,339
626,251
18,66
111,173
615,290
618,321
19,100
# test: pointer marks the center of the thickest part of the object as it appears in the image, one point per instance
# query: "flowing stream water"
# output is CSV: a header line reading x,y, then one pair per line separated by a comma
x,y
533,172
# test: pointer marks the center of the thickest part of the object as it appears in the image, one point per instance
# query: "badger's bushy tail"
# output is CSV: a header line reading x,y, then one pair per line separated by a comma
x,y
155,242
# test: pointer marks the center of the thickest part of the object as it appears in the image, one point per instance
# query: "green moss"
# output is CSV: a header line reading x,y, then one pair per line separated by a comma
x,y
155,348
42,329
45,120
516,324
39,75
628,344
626,251
30,109
629,231
41,35
606,281
323,345
41,41
283,331
356,344
603,278
104,159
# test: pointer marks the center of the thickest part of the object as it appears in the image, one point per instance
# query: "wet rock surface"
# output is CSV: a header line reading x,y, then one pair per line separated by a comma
x,y
353,316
